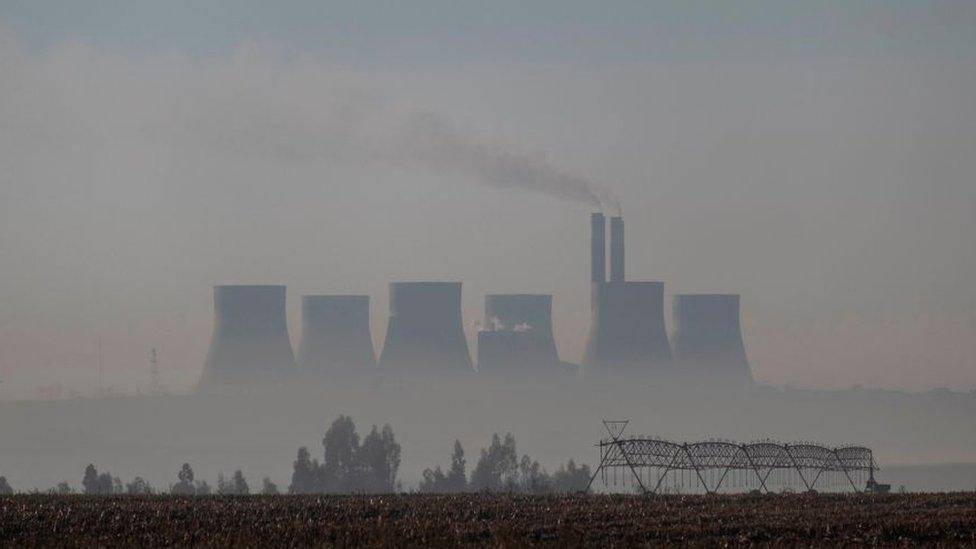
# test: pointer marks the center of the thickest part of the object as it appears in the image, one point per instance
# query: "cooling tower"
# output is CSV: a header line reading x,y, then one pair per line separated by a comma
x,y
616,249
250,337
626,318
335,333
425,331
517,335
627,328
707,339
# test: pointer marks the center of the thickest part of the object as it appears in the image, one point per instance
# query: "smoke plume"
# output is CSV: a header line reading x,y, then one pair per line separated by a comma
x,y
251,104
432,141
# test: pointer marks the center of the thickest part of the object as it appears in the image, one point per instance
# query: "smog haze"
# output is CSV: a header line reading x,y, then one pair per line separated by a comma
x,y
817,160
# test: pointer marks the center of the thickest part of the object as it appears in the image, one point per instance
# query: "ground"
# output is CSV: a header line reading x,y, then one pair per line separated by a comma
x,y
420,520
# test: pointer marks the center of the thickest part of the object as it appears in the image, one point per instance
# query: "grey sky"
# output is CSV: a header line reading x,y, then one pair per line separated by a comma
x,y
816,157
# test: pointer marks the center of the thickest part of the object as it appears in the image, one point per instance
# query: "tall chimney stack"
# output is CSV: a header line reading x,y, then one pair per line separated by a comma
x,y
627,331
616,249
598,248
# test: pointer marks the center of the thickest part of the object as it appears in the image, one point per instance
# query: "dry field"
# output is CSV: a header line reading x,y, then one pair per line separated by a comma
x,y
416,520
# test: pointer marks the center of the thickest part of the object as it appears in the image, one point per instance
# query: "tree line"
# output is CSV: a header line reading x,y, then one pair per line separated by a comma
x,y
499,469
354,464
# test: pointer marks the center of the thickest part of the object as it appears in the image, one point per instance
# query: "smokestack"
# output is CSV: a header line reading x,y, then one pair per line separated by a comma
x,y
707,338
250,337
517,337
598,248
425,331
335,333
617,249
627,329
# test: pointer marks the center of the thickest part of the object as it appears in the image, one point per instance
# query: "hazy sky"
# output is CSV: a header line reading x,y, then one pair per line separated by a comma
x,y
818,158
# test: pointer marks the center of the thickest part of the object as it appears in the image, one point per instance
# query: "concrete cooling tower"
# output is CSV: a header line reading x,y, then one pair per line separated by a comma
x,y
707,340
425,332
250,337
627,332
517,335
335,333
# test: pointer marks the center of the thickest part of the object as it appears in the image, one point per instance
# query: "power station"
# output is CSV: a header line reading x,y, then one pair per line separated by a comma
x,y
250,337
425,332
627,332
335,334
516,335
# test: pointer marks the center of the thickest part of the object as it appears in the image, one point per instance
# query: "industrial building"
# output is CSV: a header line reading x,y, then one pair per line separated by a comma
x,y
335,334
516,335
627,332
425,332
250,337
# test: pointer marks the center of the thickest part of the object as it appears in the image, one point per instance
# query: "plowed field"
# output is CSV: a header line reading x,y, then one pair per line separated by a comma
x,y
418,520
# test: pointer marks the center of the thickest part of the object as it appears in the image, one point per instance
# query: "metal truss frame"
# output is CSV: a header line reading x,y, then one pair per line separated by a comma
x,y
712,461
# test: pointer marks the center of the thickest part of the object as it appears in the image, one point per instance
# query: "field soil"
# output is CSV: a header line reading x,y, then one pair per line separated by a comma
x,y
432,520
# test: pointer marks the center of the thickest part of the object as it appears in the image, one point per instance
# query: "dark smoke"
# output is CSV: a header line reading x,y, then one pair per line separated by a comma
x,y
433,142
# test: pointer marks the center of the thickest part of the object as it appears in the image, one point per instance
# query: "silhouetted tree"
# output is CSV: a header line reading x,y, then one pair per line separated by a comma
x,y
138,487
97,484
571,478
236,486
5,489
240,484
457,478
304,477
185,485
435,481
186,474
532,478
497,469
339,470
347,465
378,460
90,481
269,488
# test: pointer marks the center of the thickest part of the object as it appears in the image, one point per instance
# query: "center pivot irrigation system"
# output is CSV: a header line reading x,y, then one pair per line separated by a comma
x,y
656,465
